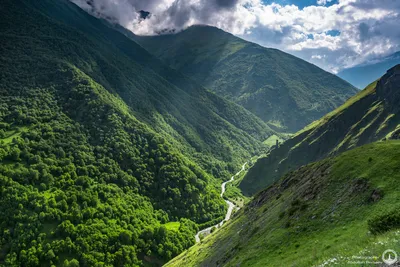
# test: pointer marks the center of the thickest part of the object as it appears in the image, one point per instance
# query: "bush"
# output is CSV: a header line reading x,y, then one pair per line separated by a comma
x,y
385,222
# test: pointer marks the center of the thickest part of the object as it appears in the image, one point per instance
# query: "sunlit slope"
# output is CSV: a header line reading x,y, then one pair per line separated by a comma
x,y
371,115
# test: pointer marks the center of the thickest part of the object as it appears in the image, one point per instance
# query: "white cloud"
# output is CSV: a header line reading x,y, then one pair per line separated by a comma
x,y
318,56
367,28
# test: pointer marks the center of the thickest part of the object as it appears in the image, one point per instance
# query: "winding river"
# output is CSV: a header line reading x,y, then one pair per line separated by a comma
x,y
207,231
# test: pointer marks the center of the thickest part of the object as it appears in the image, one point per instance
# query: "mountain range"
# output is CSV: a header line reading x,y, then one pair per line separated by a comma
x,y
284,91
113,146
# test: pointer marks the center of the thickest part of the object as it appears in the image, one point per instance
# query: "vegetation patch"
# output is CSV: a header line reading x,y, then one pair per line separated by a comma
x,y
385,222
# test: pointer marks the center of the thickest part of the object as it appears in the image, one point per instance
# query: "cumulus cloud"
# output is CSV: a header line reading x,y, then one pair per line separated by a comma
x,y
364,29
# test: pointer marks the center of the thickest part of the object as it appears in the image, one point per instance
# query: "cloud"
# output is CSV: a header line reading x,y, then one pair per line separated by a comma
x,y
323,2
363,29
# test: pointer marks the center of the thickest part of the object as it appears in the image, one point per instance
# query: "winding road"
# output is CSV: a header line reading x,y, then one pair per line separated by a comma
x,y
207,231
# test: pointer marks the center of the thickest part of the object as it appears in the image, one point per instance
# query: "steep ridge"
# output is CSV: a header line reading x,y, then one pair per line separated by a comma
x,y
340,211
371,115
284,91
104,150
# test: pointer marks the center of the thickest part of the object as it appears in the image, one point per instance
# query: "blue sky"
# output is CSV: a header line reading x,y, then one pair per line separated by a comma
x,y
300,3
332,34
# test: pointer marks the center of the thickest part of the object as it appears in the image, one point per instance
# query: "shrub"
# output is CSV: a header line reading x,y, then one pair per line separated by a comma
x,y
384,222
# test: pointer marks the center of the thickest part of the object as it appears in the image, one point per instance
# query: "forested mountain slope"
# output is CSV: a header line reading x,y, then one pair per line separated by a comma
x,y
336,212
203,124
283,90
373,114
101,145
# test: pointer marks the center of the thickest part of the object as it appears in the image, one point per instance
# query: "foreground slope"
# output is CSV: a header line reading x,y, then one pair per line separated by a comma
x,y
102,147
371,115
281,89
335,211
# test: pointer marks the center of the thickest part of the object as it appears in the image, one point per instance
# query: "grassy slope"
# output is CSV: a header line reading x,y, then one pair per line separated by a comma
x,y
283,90
366,117
312,215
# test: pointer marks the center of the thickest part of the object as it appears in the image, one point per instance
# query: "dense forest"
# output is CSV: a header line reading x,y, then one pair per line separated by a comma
x,y
102,147
94,189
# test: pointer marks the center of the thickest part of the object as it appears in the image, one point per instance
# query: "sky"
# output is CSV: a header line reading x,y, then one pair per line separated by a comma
x,y
332,34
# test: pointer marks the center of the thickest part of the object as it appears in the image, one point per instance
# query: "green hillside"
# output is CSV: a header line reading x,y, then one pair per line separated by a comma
x,y
103,147
332,212
284,91
371,115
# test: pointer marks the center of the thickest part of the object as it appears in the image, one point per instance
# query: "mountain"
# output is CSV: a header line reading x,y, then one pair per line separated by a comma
x,y
364,74
373,114
104,150
284,91
340,211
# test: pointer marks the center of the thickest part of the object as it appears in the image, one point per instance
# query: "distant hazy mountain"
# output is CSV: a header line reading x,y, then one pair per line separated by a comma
x,y
284,91
362,75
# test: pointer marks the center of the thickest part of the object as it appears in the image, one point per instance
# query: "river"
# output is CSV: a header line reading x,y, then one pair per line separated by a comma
x,y
207,231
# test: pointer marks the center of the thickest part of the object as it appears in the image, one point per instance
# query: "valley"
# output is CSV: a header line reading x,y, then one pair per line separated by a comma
x,y
190,147
328,212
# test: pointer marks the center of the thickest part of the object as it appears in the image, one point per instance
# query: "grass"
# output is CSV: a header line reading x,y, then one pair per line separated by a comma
x,y
367,91
14,133
173,226
271,141
321,216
